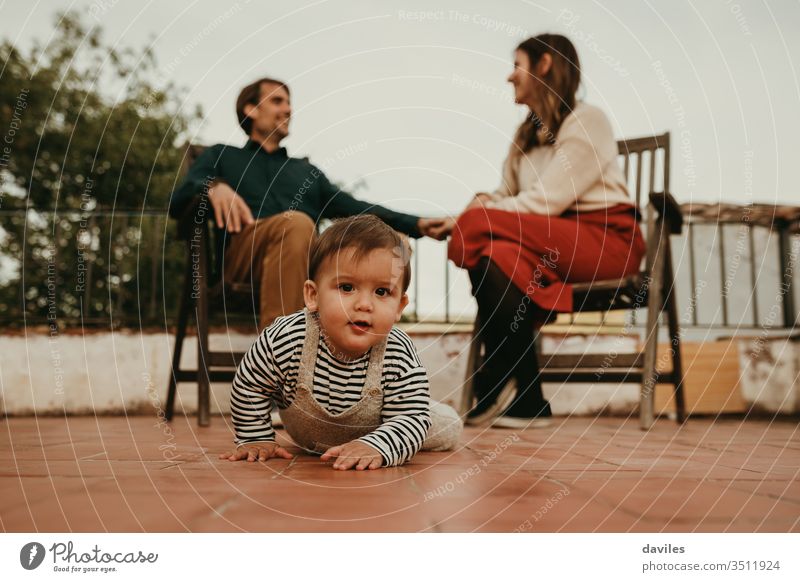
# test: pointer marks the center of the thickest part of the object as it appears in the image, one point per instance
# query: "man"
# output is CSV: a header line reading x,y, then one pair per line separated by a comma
x,y
269,203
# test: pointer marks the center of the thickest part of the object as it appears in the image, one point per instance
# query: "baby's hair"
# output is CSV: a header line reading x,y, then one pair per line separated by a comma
x,y
362,234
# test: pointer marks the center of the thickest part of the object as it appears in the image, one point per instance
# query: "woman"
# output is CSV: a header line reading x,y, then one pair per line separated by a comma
x,y
561,215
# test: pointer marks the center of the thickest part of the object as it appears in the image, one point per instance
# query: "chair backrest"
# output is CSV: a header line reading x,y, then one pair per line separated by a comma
x,y
645,160
215,244
191,154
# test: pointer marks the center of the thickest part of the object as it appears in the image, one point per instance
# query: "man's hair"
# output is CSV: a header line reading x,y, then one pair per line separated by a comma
x,y
362,234
252,95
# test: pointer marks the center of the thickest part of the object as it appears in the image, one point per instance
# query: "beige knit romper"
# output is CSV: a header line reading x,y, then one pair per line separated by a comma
x,y
316,430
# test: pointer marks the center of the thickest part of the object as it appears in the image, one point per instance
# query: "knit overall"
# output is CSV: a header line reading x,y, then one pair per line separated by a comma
x,y
316,430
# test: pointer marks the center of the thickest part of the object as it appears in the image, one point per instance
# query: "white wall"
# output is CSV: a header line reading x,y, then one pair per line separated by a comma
x,y
127,372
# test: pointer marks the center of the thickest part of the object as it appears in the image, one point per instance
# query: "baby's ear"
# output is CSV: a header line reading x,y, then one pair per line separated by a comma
x,y
310,295
403,304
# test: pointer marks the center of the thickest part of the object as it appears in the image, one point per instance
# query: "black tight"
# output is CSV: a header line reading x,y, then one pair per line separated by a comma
x,y
507,319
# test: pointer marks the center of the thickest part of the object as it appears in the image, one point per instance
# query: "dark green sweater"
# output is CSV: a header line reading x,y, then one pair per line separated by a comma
x,y
272,183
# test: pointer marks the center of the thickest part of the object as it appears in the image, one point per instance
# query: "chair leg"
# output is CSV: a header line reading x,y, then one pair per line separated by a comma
x,y
649,378
675,339
654,309
203,380
473,364
180,335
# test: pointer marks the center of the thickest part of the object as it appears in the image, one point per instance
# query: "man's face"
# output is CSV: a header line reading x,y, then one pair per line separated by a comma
x,y
272,114
358,301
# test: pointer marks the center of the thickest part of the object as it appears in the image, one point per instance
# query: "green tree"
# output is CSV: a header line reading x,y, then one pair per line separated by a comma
x,y
88,129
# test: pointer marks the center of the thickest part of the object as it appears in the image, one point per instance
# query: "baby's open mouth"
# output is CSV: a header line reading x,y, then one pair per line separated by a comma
x,y
361,324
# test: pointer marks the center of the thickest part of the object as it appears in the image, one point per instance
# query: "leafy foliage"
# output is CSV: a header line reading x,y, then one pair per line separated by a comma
x,y
87,131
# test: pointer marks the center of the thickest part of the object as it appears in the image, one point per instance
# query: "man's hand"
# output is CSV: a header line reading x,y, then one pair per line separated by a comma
x,y
230,209
354,454
257,452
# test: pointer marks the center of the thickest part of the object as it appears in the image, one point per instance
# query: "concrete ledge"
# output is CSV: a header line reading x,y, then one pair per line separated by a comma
x,y
127,372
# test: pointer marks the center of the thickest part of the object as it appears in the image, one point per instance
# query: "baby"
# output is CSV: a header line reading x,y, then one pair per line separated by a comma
x,y
347,384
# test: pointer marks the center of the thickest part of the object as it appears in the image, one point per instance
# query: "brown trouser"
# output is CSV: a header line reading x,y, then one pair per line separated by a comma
x,y
272,254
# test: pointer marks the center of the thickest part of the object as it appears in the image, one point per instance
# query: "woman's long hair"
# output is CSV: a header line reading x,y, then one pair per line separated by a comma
x,y
557,97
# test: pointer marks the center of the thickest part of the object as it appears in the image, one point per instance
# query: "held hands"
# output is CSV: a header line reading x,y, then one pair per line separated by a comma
x,y
230,209
354,454
441,228
438,228
257,452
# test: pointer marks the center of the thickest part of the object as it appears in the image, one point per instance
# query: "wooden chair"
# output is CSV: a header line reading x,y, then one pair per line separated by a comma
x,y
653,287
203,290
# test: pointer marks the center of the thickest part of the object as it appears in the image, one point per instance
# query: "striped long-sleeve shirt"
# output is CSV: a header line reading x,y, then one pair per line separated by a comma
x,y
268,375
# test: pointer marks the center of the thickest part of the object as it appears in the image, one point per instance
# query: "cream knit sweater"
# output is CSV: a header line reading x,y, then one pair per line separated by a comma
x,y
580,172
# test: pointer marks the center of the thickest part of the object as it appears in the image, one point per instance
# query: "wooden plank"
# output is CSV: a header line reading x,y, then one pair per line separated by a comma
x,y
711,381
225,359
610,375
593,361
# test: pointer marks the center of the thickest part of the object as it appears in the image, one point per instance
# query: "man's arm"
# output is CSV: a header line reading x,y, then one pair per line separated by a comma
x,y
230,210
338,204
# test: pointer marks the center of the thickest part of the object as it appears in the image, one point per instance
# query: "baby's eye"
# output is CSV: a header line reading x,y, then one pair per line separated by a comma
x,y
383,292
346,287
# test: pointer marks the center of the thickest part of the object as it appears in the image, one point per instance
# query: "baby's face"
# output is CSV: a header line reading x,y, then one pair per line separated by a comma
x,y
358,301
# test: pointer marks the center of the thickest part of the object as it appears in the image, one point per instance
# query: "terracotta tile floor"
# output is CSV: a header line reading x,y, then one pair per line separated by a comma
x,y
582,474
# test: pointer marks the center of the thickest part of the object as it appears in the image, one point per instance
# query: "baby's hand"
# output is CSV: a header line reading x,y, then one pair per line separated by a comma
x,y
354,454
257,452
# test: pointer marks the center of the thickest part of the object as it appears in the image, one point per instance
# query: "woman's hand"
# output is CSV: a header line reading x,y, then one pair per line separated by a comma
x,y
354,454
253,452
478,202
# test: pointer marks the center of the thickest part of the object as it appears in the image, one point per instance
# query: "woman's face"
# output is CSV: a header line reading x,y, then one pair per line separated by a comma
x,y
527,77
522,78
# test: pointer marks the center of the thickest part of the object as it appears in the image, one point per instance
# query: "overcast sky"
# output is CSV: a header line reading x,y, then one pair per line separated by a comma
x,y
412,97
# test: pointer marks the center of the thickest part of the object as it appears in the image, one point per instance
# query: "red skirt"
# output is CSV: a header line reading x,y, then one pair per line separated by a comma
x,y
542,255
